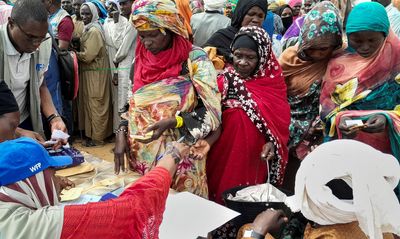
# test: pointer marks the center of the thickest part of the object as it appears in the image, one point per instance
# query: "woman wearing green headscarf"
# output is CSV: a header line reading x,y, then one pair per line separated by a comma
x,y
360,95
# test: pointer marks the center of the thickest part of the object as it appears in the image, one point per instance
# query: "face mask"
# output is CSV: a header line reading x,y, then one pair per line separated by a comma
x,y
287,22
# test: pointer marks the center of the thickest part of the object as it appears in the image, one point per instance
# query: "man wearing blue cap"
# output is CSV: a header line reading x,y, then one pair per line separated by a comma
x,y
27,183
29,204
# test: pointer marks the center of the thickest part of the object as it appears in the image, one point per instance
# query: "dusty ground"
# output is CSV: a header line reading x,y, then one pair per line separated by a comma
x,y
103,152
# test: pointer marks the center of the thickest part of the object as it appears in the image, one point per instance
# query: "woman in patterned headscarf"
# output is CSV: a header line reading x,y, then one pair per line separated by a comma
x,y
303,66
364,83
291,36
175,95
256,117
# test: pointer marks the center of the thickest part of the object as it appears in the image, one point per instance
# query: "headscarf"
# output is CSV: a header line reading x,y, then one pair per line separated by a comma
x,y
263,93
95,19
287,21
376,15
279,10
159,14
185,11
244,41
103,10
322,24
108,3
293,3
222,39
8,104
243,7
361,75
371,174
214,5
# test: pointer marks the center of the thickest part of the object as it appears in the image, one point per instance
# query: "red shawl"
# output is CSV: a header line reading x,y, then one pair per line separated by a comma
x,y
150,68
270,111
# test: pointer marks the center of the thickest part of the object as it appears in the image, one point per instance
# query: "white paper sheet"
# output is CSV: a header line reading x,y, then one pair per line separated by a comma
x,y
189,216
83,199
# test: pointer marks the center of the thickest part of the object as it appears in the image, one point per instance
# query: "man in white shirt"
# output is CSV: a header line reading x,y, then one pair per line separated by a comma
x,y
24,57
205,24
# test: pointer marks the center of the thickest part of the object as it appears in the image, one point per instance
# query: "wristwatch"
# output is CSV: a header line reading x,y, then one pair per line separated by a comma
x,y
253,234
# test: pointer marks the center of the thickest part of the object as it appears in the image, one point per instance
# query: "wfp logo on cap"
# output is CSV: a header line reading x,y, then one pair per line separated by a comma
x,y
36,167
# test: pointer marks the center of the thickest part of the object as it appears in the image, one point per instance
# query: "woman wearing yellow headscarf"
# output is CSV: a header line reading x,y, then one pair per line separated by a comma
x,y
175,96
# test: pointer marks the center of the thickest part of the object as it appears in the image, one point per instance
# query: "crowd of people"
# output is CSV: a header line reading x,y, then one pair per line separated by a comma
x,y
203,96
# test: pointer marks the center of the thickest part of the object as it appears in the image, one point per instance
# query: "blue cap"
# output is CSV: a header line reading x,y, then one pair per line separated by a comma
x,y
24,157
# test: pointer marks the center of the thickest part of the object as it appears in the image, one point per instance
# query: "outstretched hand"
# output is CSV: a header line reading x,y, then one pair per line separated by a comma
x,y
200,150
269,221
158,129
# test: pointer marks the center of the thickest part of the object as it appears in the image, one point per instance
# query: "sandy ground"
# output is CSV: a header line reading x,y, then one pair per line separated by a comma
x,y
104,152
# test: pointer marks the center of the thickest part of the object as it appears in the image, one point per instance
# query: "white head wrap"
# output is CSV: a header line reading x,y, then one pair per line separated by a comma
x,y
370,173
214,5
95,19
108,3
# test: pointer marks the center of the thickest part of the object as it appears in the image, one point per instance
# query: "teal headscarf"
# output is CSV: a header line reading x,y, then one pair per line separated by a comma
x,y
368,16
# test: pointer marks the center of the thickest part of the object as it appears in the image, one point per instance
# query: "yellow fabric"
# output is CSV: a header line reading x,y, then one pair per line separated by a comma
x,y
185,11
218,61
338,231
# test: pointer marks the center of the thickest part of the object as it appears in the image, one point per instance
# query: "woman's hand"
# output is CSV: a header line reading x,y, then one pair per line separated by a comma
x,y
121,149
174,153
115,79
200,149
268,151
269,221
159,128
181,148
375,124
348,132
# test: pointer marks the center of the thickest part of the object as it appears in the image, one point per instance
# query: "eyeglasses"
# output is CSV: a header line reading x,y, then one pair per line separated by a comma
x,y
33,39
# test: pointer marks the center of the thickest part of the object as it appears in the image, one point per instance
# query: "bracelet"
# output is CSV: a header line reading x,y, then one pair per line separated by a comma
x,y
179,121
121,130
51,117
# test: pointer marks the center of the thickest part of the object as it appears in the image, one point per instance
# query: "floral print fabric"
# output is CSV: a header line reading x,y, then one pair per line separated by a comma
x,y
154,14
322,23
196,98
